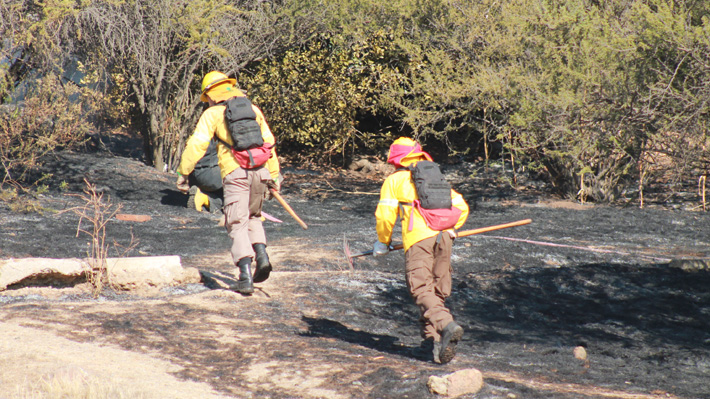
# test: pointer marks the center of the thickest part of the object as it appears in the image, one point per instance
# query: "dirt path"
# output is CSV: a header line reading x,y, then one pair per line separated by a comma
x,y
282,342
31,354
242,345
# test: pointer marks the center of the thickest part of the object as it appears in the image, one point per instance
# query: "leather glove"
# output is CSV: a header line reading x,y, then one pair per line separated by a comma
x,y
380,249
182,184
273,184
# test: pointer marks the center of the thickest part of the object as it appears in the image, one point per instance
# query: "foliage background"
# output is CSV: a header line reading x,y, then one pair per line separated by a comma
x,y
603,99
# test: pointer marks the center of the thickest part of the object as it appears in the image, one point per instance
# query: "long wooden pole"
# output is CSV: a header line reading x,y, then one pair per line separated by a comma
x,y
288,208
463,233
492,228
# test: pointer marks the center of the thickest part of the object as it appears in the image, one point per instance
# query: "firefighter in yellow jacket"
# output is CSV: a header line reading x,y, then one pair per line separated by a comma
x,y
427,251
244,189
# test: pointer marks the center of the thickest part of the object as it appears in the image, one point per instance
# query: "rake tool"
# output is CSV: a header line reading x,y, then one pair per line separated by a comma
x,y
350,256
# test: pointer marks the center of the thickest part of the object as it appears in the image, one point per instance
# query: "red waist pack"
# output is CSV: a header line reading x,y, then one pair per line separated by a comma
x,y
253,157
436,219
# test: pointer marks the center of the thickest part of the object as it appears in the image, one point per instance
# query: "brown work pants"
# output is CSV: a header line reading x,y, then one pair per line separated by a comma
x,y
428,270
244,191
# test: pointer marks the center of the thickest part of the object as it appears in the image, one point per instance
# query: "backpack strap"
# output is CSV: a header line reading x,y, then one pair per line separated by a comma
x,y
438,237
411,219
410,227
232,147
251,158
411,204
223,142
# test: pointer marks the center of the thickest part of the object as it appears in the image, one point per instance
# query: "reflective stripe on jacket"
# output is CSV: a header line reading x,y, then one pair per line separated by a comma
x,y
212,123
398,189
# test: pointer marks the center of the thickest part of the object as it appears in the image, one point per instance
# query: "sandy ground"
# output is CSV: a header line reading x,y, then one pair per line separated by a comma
x,y
31,354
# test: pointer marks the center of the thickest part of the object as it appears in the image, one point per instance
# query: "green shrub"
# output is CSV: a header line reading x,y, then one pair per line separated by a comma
x,y
47,120
316,95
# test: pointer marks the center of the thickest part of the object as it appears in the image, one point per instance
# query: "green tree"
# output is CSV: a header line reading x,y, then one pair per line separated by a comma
x,y
39,110
572,91
162,49
601,97
318,93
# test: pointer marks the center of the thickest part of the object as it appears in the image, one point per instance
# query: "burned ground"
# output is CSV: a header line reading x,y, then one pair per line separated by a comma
x,y
600,277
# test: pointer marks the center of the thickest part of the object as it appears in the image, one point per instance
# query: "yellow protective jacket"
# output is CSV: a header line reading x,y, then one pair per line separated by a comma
x,y
212,123
397,192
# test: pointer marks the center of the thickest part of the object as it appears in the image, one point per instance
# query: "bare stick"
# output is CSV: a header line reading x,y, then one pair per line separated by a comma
x,y
288,208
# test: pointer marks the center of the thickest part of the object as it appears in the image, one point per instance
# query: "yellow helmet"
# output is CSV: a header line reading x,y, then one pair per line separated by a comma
x,y
213,79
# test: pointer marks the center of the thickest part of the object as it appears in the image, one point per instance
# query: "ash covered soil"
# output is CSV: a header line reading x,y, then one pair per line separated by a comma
x,y
606,278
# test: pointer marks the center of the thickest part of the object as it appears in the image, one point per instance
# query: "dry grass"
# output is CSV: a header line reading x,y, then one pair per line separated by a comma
x,y
73,384
20,203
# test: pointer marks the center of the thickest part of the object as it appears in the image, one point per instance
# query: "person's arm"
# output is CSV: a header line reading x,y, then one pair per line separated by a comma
x,y
458,202
198,143
386,212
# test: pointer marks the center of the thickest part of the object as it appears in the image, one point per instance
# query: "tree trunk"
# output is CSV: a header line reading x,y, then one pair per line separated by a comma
x,y
156,136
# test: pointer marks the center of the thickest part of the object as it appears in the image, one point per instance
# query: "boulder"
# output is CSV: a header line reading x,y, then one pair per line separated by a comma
x,y
580,353
124,273
41,271
691,265
369,166
462,382
149,272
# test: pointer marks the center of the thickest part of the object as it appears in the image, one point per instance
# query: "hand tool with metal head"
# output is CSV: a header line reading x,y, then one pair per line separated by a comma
x,y
464,233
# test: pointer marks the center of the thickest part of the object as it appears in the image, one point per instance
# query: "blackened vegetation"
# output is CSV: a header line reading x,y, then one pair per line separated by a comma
x,y
596,277
644,325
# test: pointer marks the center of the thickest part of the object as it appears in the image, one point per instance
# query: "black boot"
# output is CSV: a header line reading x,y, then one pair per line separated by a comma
x,y
263,266
244,284
445,349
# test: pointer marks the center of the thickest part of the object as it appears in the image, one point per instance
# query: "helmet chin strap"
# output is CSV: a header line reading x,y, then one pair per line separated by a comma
x,y
213,84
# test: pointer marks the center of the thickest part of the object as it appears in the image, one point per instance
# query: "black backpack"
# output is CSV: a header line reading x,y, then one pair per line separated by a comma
x,y
433,189
434,192
242,125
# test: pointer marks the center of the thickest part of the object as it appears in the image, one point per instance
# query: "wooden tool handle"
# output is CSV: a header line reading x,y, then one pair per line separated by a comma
x,y
492,228
464,233
288,208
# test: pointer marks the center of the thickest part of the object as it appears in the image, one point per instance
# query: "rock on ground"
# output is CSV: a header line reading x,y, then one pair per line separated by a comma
x,y
128,273
461,382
